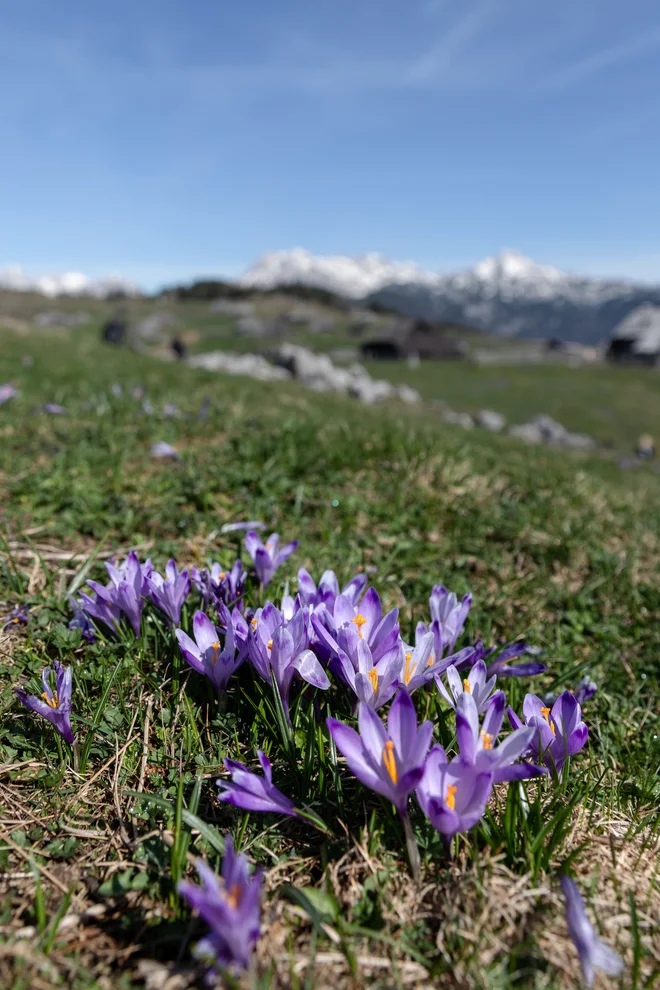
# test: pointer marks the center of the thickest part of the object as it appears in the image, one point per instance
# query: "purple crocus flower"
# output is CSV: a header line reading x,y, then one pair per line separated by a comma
x,y
267,558
418,662
560,731
476,743
475,684
585,690
54,409
205,655
453,795
594,954
374,682
81,621
217,583
131,586
54,705
343,628
388,760
449,614
169,593
230,906
7,392
328,589
163,450
251,792
19,617
281,648
502,666
101,606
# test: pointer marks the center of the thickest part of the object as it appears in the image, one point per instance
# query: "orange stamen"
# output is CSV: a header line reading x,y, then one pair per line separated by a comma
x,y
254,623
409,671
359,621
53,702
216,649
545,712
487,740
390,761
466,686
373,677
233,896
270,644
450,800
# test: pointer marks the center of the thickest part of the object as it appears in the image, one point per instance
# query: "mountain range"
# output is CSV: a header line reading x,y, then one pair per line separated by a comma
x,y
64,284
507,294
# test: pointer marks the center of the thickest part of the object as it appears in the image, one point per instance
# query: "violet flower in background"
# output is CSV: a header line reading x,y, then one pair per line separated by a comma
x,y
267,557
169,593
205,655
502,666
453,795
251,792
475,684
327,591
81,621
388,760
231,907
19,617
117,390
7,392
130,587
476,743
203,413
449,614
54,409
163,450
594,954
54,705
170,410
585,690
560,731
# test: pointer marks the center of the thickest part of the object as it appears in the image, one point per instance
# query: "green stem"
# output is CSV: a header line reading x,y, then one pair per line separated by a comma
x,y
411,846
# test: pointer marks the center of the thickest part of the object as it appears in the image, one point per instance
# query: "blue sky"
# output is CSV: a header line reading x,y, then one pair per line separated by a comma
x,y
165,139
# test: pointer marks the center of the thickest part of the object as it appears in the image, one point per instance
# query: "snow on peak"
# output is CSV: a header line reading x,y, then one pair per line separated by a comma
x,y
514,266
353,277
64,283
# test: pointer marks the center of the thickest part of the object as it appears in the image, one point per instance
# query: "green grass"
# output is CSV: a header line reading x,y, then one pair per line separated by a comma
x,y
557,548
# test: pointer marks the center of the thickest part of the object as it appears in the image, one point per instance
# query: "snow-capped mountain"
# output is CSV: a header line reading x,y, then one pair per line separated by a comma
x,y
353,278
65,283
508,294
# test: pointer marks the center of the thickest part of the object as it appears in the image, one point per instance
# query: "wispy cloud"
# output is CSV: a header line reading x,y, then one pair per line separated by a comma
x,y
607,58
441,57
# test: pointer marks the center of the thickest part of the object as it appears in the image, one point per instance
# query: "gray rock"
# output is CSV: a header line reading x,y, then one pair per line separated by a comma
x,y
488,419
528,432
579,441
551,431
156,327
232,307
251,365
51,320
250,326
407,394
457,418
370,390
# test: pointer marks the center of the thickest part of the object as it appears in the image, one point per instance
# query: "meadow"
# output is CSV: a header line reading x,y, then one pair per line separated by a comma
x,y
559,550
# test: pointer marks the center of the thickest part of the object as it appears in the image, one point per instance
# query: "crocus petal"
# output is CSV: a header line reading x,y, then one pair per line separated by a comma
x,y
311,670
205,632
402,722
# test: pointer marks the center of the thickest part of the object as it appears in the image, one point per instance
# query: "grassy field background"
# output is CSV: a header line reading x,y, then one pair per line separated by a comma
x,y
558,548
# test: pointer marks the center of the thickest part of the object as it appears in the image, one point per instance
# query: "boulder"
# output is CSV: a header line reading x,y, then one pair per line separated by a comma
x,y
457,418
50,320
251,365
407,394
250,326
528,432
490,420
156,327
551,431
232,307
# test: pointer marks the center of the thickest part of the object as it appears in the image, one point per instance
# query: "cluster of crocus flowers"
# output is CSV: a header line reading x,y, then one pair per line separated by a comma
x,y
558,732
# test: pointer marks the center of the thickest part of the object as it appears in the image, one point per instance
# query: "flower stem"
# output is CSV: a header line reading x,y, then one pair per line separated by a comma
x,y
411,846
